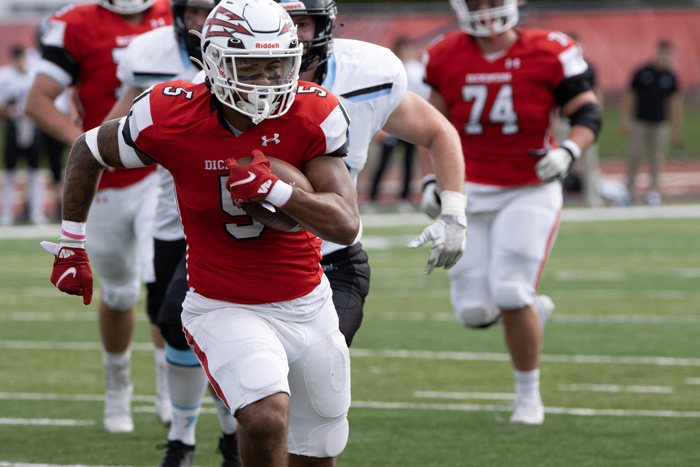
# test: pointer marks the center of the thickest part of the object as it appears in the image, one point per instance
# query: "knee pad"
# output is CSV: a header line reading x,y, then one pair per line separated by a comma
x,y
320,400
121,298
330,440
513,295
478,317
180,356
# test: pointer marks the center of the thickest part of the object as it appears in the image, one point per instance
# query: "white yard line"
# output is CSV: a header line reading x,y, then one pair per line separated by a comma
x,y
464,395
559,318
40,316
681,211
503,357
45,422
402,354
615,388
551,410
415,406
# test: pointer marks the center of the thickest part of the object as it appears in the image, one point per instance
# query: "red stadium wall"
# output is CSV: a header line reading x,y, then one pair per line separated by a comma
x,y
614,41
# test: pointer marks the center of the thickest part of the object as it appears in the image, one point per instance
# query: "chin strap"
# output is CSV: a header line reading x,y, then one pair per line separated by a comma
x,y
251,108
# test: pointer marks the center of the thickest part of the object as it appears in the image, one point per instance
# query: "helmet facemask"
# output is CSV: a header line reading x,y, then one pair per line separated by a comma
x,y
252,56
488,22
127,7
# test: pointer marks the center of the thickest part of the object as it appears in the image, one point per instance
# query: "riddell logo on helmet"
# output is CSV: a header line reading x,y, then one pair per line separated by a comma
x,y
267,45
293,6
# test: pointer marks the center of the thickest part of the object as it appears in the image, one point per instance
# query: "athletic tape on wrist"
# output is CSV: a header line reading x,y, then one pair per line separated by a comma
x,y
73,230
574,148
279,194
72,234
453,203
91,141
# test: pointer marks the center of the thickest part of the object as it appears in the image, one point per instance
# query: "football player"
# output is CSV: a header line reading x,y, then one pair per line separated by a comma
x,y
371,83
258,313
82,45
500,85
153,57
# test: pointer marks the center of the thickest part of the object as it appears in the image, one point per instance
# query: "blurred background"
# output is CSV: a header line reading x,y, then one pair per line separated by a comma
x,y
617,36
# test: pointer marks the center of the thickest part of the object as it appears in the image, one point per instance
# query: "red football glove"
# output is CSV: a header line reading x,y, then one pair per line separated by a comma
x,y
71,270
251,182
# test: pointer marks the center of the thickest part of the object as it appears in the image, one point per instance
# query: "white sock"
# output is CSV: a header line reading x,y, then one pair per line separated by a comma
x,y
227,421
117,369
187,386
8,198
161,373
36,197
527,384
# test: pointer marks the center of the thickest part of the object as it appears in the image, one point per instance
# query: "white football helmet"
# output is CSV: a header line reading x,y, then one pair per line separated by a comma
x,y
487,22
127,7
252,57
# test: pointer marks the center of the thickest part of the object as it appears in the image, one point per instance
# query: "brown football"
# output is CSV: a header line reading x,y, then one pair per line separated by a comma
x,y
278,219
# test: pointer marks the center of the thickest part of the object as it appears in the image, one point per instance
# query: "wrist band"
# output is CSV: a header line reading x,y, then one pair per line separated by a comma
x,y
572,147
453,203
73,231
279,194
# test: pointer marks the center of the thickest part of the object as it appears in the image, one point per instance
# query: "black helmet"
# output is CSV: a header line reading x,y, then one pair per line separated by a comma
x,y
324,12
178,8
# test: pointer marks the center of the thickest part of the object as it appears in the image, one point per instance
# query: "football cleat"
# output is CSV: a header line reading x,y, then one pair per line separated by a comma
x,y
117,413
527,412
177,454
228,447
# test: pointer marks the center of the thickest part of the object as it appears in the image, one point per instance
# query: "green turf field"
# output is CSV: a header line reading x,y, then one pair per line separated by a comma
x,y
620,365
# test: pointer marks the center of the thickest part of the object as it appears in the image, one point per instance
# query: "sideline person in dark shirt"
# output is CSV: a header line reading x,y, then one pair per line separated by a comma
x,y
653,94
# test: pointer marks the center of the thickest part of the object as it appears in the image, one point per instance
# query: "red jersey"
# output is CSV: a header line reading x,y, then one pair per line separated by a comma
x,y
84,42
230,256
503,108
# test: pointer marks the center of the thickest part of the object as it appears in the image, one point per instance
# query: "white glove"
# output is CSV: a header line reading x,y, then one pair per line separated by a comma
x,y
449,237
430,201
554,164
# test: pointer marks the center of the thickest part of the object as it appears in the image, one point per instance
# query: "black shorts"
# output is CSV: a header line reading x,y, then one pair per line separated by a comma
x,y
348,273
171,285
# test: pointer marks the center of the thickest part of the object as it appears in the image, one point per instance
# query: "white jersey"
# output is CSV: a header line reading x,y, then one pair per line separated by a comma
x,y
152,58
370,82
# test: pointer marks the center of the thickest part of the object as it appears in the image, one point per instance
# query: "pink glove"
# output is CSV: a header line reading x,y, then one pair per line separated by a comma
x,y
71,270
251,182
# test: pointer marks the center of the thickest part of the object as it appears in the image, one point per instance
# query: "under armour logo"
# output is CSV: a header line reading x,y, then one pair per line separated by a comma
x,y
65,253
266,140
265,187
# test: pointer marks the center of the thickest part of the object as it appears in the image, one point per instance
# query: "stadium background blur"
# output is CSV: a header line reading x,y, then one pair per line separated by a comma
x,y
617,36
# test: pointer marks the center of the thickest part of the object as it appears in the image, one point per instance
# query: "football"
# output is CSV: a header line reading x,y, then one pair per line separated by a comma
x,y
277,219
